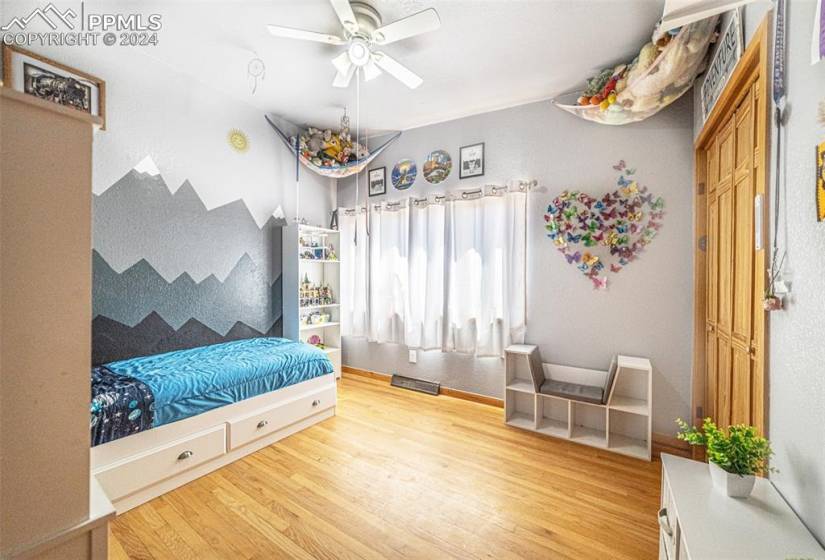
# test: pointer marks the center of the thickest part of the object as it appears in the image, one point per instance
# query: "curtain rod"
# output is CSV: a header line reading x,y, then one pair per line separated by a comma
x,y
472,194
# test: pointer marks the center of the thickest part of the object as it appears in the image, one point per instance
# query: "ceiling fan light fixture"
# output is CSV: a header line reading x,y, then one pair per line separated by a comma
x,y
359,52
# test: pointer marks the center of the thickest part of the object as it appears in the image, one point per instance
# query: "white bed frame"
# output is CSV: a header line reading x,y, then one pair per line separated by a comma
x,y
134,469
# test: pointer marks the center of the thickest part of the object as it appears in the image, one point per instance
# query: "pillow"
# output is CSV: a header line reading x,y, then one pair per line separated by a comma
x,y
611,377
536,369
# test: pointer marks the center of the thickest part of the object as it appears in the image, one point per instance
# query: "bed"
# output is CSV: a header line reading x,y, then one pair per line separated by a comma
x,y
160,421
130,396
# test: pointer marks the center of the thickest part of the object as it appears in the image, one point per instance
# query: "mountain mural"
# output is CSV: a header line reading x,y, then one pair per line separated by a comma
x,y
113,340
140,218
168,273
246,295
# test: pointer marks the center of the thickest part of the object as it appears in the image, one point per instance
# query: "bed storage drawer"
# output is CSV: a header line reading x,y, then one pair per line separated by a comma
x,y
267,420
144,469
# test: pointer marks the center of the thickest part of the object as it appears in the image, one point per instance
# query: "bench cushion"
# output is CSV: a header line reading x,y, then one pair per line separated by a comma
x,y
574,391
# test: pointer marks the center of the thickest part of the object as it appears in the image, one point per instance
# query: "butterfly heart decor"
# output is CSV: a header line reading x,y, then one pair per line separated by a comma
x,y
606,234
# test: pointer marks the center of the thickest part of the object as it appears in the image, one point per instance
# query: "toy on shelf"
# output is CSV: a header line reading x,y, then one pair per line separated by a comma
x,y
313,250
664,70
315,318
316,341
314,295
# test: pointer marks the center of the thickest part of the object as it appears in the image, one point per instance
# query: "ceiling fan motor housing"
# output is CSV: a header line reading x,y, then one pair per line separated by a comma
x,y
368,19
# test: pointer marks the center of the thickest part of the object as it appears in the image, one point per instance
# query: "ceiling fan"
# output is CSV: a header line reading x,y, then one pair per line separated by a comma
x,y
363,31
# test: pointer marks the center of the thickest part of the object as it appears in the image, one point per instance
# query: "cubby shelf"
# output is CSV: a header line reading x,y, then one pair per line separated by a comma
x,y
521,420
622,424
522,386
629,404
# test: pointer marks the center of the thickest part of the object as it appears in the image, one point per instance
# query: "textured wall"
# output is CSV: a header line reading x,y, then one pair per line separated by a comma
x,y
796,368
647,310
169,274
207,216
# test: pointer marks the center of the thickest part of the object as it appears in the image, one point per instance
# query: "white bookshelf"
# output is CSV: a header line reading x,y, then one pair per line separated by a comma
x,y
318,250
621,425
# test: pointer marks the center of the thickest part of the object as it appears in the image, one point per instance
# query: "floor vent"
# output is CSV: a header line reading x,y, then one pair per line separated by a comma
x,y
415,384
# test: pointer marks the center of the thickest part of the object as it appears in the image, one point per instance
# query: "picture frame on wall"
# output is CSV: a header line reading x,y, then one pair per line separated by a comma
x,y
377,180
728,52
54,82
471,161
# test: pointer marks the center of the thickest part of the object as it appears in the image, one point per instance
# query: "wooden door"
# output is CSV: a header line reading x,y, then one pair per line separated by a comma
x,y
730,302
732,156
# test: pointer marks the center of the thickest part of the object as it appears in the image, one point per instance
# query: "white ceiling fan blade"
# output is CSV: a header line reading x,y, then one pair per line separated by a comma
x,y
371,70
344,12
343,80
342,62
397,70
416,24
291,33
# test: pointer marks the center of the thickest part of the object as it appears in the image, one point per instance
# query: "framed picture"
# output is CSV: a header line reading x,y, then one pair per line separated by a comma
x,y
471,161
378,181
51,81
727,54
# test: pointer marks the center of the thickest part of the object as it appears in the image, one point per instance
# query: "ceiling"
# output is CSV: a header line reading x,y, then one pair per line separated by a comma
x,y
488,54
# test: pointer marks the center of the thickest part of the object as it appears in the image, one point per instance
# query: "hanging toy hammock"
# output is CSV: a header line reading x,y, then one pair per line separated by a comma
x,y
664,70
322,151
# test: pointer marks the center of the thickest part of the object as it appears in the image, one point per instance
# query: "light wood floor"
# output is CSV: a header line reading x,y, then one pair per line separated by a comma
x,y
398,474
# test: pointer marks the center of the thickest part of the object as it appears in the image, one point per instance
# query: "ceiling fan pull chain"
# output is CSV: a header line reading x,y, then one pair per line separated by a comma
x,y
357,139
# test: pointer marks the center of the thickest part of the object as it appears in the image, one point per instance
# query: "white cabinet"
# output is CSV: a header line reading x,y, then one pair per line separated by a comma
x,y
699,523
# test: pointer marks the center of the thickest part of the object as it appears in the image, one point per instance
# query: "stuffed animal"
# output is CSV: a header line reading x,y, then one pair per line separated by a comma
x,y
331,146
328,148
647,56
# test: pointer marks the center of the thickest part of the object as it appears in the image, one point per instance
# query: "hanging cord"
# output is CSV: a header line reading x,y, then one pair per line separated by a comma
x,y
357,140
778,262
297,175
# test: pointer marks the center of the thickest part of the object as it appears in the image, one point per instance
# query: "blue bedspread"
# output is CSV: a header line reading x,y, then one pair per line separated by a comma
x,y
185,383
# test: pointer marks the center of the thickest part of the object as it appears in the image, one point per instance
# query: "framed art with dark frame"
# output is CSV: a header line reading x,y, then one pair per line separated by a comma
x,y
471,161
377,179
52,81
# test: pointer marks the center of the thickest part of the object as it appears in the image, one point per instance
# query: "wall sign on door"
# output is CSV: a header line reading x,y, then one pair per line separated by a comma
x,y
724,60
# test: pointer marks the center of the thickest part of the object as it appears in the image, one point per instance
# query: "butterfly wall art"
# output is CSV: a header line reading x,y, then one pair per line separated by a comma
x,y
601,235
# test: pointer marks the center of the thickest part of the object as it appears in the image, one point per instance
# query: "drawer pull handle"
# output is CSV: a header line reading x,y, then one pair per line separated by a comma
x,y
262,423
663,522
316,402
185,455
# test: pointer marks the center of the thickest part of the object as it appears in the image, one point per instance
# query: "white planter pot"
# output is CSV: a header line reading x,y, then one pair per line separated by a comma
x,y
731,484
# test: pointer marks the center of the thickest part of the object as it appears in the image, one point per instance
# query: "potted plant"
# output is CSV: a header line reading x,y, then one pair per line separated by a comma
x,y
733,458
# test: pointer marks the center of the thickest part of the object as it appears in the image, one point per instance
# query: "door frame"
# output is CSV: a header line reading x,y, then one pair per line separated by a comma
x,y
754,66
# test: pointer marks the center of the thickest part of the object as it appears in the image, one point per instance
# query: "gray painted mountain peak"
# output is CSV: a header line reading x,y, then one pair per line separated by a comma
x,y
247,295
140,218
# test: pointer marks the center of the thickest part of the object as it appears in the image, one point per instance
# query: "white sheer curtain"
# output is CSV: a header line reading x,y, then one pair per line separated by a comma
x,y
447,275
389,285
486,301
425,315
354,271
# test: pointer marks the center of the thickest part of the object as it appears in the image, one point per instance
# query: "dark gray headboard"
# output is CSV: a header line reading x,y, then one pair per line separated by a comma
x,y
169,274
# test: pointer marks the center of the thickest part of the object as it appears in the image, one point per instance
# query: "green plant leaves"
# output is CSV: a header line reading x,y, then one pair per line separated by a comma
x,y
741,451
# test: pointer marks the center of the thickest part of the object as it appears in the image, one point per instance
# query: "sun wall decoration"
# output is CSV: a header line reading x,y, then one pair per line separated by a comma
x,y
238,140
601,235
